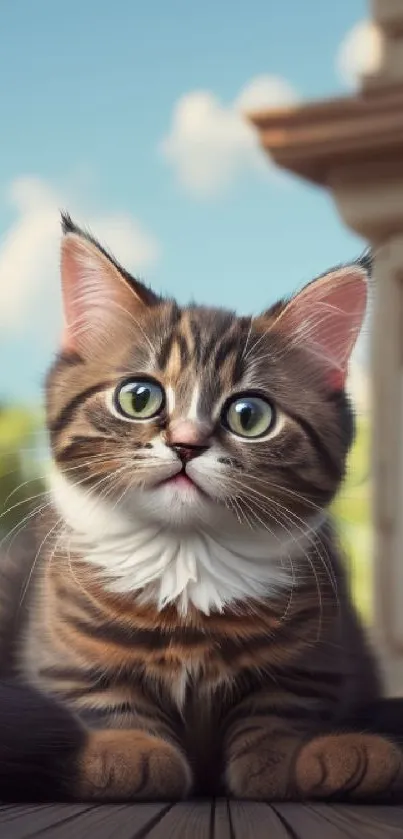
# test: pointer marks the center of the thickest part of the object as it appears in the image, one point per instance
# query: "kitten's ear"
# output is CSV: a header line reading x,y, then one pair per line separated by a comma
x,y
326,318
97,293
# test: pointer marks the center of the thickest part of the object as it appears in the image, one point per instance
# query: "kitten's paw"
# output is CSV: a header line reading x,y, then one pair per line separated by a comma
x,y
261,772
129,765
350,766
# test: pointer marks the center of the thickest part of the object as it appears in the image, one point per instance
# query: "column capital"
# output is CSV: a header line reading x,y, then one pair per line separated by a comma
x,y
353,145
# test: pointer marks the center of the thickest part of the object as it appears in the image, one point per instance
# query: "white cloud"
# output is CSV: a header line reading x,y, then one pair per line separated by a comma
x,y
209,144
25,250
29,252
360,52
265,92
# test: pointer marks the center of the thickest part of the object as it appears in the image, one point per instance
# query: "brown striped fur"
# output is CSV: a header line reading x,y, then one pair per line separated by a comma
x,y
252,698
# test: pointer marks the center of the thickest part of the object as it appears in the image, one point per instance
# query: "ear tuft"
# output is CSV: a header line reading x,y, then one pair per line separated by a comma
x,y
67,224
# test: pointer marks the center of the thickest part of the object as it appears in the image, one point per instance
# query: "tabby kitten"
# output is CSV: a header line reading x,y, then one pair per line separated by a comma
x,y
188,602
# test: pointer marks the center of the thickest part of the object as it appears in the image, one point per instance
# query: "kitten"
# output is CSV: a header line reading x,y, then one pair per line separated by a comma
x,y
188,601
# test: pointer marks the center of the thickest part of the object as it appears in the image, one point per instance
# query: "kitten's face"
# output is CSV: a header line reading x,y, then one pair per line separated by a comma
x,y
187,415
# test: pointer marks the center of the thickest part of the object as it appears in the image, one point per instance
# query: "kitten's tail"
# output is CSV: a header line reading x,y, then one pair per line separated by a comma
x,y
39,743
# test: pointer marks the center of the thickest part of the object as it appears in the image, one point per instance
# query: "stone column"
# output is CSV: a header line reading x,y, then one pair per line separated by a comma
x,y
354,147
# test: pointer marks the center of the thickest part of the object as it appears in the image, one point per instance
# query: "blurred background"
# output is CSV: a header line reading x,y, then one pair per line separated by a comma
x,y
130,116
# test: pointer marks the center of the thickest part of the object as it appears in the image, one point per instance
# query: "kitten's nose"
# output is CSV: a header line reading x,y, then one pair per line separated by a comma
x,y
188,439
186,453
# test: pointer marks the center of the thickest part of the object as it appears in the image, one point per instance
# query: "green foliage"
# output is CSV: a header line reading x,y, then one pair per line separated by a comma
x,y
19,465
352,512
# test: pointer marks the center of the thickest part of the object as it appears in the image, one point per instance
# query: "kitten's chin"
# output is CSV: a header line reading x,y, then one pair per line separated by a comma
x,y
172,504
177,502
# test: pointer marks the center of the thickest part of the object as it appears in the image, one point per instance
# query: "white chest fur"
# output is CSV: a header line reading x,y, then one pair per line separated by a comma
x,y
210,566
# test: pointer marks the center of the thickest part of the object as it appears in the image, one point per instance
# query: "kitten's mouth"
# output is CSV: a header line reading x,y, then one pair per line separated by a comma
x,y
182,481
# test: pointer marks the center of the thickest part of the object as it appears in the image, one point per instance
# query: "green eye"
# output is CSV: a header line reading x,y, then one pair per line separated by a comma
x,y
249,416
139,400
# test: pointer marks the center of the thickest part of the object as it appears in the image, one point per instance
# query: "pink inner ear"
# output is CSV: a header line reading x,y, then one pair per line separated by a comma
x,y
97,300
336,379
326,317
73,253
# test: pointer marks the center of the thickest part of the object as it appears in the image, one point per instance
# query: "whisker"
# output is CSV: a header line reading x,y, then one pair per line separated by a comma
x,y
33,566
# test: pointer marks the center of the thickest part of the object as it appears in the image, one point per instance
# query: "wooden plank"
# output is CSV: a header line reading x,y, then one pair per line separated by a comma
x,y
64,821
221,824
302,823
310,821
256,821
373,821
24,820
201,820
188,819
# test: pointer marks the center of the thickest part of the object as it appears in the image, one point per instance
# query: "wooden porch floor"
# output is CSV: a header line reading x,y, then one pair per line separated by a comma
x,y
200,820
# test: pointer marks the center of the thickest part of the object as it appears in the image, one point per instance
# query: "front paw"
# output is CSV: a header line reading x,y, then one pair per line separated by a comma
x,y
129,765
261,771
351,766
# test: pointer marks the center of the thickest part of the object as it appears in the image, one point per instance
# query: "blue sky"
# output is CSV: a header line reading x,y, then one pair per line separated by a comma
x,y
89,96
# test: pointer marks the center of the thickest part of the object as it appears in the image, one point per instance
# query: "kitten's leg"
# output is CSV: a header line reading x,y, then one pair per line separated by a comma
x,y
259,757
132,751
273,755
351,765
129,765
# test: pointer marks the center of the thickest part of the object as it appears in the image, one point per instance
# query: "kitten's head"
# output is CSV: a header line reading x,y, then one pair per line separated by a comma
x,y
185,415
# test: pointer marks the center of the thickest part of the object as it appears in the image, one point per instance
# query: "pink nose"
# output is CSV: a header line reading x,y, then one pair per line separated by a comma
x,y
188,433
188,438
